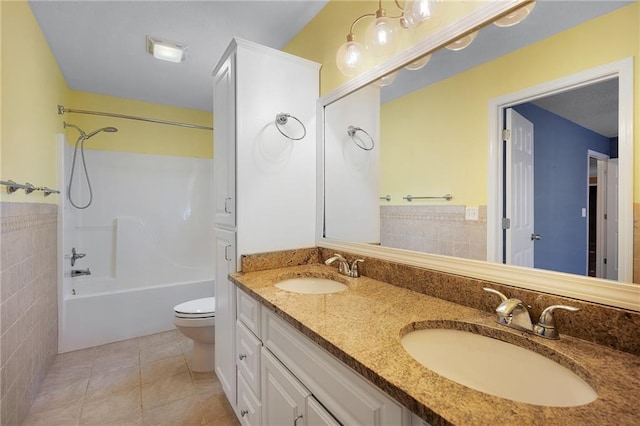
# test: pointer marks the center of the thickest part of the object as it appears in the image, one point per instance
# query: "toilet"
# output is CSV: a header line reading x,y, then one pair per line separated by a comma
x,y
196,320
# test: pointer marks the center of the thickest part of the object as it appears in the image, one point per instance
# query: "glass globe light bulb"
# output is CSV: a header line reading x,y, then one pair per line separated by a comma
x,y
418,63
417,11
380,37
516,16
463,42
387,79
350,57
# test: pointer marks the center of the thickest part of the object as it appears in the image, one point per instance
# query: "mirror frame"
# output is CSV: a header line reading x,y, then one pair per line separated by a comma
x,y
611,293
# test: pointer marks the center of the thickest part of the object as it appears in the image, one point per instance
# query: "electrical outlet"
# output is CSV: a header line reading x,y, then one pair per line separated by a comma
x,y
471,213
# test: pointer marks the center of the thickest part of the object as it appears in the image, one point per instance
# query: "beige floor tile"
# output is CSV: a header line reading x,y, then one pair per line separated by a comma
x,y
158,351
206,384
225,421
121,406
183,412
68,415
123,347
60,395
79,358
57,378
104,384
163,368
166,390
133,421
216,407
115,362
154,339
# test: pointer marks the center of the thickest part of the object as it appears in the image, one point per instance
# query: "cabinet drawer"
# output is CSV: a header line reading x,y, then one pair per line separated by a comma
x,y
248,311
350,398
249,407
248,356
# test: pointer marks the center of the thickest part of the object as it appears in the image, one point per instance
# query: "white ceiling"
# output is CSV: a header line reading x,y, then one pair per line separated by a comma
x,y
100,46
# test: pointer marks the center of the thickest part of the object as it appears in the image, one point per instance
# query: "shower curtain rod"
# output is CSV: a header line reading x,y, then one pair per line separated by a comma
x,y
62,110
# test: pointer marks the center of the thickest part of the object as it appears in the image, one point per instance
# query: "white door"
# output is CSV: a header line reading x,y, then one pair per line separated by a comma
x,y
283,396
612,220
225,365
519,190
224,144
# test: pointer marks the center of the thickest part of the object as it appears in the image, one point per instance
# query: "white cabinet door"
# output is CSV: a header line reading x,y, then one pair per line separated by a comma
x,y
317,415
225,365
248,356
224,143
283,396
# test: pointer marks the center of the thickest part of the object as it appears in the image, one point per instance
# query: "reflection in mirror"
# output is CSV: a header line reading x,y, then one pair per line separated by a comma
x,y
433,128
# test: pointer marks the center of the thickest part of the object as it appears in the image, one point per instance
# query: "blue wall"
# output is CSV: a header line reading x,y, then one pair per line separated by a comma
x,y
560,188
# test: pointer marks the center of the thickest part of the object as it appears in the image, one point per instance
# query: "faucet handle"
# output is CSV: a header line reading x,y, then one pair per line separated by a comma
x,y
355,273
491,290
546,326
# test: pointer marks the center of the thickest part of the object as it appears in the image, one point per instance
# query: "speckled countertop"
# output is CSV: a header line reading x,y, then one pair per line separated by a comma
x,y
363,326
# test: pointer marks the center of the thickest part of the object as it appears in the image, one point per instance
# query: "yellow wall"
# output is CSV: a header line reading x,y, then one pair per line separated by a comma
x,y
320,39
139,136
32,87
435,140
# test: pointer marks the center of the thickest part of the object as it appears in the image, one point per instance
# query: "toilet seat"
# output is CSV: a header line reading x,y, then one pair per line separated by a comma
x,y
198,308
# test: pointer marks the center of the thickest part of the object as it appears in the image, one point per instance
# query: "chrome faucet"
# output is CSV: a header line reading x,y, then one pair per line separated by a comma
x,y
343,266
80,272
515,313
75,256
512,312
546,327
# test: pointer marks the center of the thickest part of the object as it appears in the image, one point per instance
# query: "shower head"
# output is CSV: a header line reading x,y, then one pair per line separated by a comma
x,y
104,129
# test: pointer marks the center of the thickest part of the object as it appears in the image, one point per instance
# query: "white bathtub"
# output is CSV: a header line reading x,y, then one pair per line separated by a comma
x,y
99,318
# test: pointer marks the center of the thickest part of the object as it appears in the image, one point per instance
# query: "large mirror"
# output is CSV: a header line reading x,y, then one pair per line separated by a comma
x,y
418,171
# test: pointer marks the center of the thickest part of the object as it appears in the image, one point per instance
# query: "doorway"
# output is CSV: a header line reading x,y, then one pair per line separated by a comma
x,y
564,191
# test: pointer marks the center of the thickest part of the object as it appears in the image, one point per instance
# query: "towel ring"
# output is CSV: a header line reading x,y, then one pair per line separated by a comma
x,y
282,119
351,131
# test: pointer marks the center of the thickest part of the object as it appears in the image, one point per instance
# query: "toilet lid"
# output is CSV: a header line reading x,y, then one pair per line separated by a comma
x,y
198,308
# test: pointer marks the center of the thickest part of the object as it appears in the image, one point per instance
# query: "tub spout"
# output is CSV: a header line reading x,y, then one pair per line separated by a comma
x,y
80,272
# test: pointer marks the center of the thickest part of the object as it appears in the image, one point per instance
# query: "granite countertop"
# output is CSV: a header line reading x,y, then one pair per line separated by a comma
x,y
363,326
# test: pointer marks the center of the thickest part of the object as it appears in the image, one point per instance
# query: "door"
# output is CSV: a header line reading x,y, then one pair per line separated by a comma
x,y
283,396
519,235
612,220
225,365
224,143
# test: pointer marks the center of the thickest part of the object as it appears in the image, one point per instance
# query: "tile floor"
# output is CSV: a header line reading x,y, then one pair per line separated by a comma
x,y
141,381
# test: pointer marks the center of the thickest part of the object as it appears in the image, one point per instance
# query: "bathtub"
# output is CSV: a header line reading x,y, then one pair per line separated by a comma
x,y
104,317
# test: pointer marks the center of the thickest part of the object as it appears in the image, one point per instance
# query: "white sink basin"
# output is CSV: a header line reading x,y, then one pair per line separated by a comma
x,y
497,368
311,285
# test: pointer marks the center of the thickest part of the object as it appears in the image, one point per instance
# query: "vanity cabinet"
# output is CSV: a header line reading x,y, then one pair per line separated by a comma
x,y
264,186
286,400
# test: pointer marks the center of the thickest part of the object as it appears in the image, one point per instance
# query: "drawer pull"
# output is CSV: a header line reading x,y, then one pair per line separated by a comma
x,y
295,421
244,413
242,356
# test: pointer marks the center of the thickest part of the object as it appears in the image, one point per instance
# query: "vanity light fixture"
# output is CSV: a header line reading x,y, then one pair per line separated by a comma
x,y
166,50
462,42
516,16
381,36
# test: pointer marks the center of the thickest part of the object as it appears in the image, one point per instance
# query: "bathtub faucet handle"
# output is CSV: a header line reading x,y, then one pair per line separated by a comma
x,y
75,256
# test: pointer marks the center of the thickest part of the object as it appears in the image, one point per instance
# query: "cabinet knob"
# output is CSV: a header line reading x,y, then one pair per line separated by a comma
x,y
295,421
226,206
244,413
242,356
227,257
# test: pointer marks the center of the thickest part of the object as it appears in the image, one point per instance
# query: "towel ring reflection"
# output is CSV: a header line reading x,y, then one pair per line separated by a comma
x,y
352,130
282,119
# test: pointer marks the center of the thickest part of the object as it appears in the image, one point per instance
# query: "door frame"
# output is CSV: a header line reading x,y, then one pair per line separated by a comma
x,y
623,70
601,210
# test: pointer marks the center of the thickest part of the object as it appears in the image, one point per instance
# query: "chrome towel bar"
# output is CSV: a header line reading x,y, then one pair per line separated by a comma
x,y
28,188
410,198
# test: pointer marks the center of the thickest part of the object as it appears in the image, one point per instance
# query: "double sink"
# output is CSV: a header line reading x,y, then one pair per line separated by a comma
x,y
479,357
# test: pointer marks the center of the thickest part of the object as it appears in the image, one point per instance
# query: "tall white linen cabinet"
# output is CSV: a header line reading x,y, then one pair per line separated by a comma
x,y
264,182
